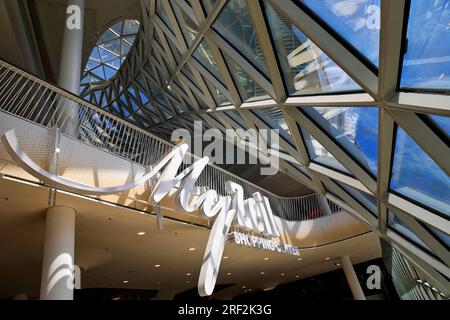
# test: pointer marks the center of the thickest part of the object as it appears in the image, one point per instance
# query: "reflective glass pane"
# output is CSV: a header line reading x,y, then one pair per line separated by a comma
x,y
219,98
443,123
367,200
319,154
274,118
248,88
354,128
400,227
416,176
204,55
209,5
187,25
426,63
357,21
306,68
234,24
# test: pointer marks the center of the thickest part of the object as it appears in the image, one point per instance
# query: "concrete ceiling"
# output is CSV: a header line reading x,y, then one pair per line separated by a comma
x,y
109,250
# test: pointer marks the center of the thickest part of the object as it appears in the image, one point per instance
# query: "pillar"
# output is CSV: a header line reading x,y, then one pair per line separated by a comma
x,y
352,279
70,65
57,280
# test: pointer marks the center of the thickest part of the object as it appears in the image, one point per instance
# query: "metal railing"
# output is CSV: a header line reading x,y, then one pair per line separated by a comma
x,y
28,97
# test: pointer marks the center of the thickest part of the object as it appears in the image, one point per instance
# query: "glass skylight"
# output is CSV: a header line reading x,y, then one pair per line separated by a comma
x,y
110,52
426,63
307,69
354,128
416,176
356,21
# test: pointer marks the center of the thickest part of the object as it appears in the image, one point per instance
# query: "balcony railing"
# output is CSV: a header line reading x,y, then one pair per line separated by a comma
x,y
28,97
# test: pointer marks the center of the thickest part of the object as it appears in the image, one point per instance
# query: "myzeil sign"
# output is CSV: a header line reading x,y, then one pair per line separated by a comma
x,y
253,214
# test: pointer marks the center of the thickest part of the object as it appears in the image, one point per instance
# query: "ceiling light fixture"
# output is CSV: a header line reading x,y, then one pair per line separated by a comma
x,y
265,259
192,249
157,265
125,281
142,233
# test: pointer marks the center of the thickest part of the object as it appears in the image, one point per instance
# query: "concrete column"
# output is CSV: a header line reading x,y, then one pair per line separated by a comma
x,y
352,279
324,204
70,65
57,280
72,50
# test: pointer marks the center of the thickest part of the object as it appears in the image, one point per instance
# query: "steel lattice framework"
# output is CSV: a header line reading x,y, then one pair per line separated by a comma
x,y
183,68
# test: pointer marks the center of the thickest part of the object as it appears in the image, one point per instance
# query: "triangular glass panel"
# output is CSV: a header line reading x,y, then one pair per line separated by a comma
x,y
306,68
109,72
130,27
355,129
106,55
443,124
204,55
107,36
95,54
396,224
235,25
125,48
187,25
117,27
248,88
416,176
114,63
162,14
113,46
318,153
91,65
218,96
99,72
358,22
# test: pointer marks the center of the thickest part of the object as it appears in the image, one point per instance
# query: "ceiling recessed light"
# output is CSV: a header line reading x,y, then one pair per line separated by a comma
x,y
228,273
299,259
265,259
261,273
226,257
297,277
188,274
125,281
142,233
157,265
282,274
188,281
327,258
192,249
250,290
243,287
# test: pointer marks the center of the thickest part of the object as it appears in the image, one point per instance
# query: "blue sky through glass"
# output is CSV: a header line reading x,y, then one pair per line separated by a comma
x,y
426,62
357,21
416,176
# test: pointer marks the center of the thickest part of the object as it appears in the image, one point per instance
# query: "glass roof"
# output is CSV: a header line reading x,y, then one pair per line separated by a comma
x,y
357,22
416,176
252,64
426,63
109,52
